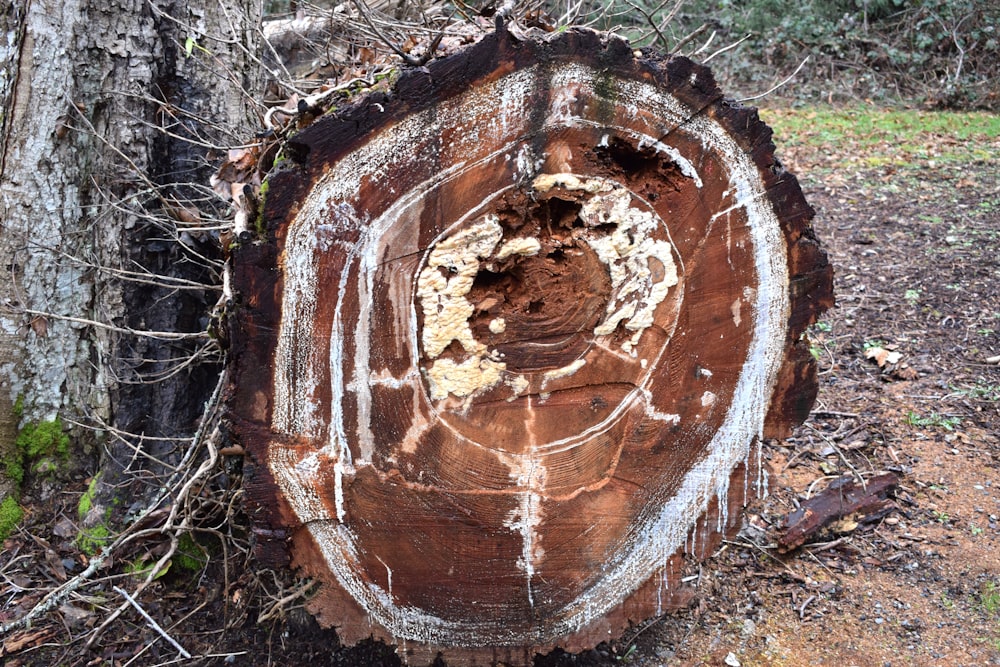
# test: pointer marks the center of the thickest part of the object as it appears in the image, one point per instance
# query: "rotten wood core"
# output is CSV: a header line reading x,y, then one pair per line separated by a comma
x,y
509,340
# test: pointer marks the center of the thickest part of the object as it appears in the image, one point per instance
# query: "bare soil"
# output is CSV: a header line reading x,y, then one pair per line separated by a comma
x,y
918,287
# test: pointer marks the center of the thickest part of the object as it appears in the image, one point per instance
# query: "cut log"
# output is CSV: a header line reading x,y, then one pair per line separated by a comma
x,y
509,340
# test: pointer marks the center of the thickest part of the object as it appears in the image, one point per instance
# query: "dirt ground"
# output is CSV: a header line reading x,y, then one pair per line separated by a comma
x,y
918,289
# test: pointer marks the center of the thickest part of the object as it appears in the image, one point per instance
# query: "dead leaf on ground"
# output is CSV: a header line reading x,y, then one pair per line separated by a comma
x,y
846,525
76,617
883,356
25,639
64,528
56,567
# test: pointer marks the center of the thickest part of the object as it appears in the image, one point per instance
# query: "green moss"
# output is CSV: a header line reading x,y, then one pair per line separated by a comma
x,y
13,464
13,468
87,499
10,515
91,540
259,225
279,160
190,555
38,447
387,79
138,566
43,439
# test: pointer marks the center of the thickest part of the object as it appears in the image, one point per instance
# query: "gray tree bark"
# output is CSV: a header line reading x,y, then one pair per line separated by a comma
x,y
112,112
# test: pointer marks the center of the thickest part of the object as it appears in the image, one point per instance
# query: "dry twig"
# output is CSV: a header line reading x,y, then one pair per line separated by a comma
x,y
152,623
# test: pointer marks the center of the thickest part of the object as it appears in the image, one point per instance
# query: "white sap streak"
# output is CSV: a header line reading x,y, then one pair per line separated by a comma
x,y
722,498
388,576
362,349
528,472
294,375
384,379
294,476
337,447
562,372
653,413
746,480
675,155
659,596
655,538
561,106
296,360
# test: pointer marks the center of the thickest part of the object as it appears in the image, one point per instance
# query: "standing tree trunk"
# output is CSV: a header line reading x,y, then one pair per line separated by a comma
x,y
110,112
509,336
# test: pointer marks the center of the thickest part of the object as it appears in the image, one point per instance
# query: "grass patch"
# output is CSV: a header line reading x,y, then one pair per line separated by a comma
x,y
982,390
989,598
933,420
873,137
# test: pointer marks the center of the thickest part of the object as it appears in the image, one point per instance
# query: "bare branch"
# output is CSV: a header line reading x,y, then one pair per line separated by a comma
x,y
779,85
156,335
365,12
694,33
726,48
152,623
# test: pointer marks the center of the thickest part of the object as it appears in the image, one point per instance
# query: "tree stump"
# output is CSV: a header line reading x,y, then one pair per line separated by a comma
x,y
509,340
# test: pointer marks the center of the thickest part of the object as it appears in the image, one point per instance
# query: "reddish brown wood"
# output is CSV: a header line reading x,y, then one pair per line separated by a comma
x,y
509,338
842,499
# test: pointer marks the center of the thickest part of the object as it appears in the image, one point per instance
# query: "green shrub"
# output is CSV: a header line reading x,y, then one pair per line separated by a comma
x,y
939,53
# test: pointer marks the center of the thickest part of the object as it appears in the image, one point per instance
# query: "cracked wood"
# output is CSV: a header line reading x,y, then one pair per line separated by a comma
x,y
509,345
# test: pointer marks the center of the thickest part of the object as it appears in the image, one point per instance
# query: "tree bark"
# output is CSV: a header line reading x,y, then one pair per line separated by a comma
x,y
107,120
52,231
509,337
205,88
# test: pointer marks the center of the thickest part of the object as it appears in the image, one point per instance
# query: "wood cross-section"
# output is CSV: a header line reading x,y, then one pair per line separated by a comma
x,y
509,344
